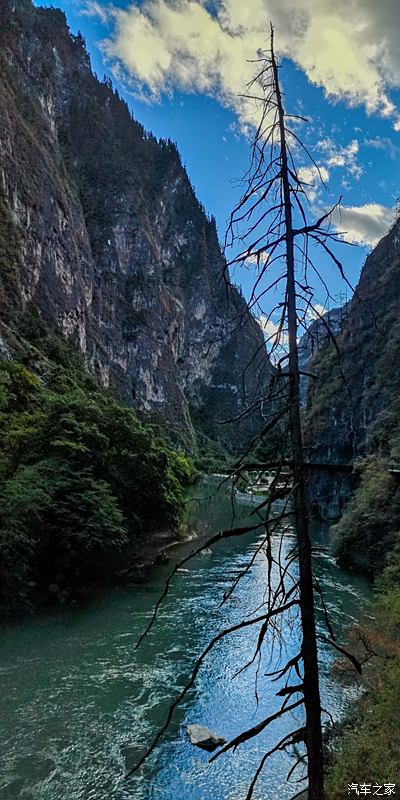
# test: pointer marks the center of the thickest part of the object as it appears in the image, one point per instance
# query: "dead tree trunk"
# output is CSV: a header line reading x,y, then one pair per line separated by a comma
x,y
306,591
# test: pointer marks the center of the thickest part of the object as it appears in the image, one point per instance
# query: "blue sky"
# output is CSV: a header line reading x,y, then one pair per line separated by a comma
x,y
180,66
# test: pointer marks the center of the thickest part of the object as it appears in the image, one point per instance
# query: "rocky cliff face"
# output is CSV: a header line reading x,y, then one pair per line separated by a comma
x,y
316,337
354,393
100,229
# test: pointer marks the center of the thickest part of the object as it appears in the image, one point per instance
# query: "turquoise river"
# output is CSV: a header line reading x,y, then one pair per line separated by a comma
x,y
79,703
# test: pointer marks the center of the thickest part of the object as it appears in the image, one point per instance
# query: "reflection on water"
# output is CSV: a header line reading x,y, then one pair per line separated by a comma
x,y
79,704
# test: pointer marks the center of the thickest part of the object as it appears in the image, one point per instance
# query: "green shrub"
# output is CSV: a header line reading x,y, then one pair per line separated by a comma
x,y
81,477
369,752
368,530
10,259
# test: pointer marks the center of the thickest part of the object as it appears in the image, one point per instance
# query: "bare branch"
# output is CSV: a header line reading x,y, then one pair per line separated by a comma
x,y
256,729
343,651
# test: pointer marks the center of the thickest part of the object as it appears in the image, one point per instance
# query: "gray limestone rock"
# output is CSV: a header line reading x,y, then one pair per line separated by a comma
x,y
204,738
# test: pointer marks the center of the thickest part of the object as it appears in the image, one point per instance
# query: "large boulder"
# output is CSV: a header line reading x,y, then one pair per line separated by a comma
x,y
204,738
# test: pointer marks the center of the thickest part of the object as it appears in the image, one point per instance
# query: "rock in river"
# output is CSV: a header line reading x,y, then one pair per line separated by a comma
x,y
203,737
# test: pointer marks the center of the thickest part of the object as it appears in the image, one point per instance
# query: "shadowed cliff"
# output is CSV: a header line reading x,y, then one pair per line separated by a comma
x,y
100,229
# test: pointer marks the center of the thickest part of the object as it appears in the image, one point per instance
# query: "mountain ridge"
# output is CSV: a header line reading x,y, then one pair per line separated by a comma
x,y
103,233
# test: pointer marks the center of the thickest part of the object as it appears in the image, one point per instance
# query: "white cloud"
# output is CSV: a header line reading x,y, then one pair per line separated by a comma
x,y
314,178
313,174
271,331
92,8
258,261
279,341
384,143
342,156
363,225
349,49
316,311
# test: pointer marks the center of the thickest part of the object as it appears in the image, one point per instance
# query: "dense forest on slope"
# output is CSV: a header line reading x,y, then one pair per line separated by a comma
x,y
84,483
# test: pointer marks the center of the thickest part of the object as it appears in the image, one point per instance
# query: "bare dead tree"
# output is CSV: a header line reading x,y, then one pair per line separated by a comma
x,y
274,193
270,229
313,727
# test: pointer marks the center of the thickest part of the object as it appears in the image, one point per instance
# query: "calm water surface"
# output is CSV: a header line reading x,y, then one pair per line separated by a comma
x,y
78,703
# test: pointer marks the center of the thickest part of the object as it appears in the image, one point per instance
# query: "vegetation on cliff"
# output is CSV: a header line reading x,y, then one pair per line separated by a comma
x,y
370,526
367,539
367,748
81,476
369,529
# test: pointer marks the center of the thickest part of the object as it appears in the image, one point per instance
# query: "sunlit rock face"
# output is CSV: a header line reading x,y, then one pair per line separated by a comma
x,y
353,404
114,248
318,336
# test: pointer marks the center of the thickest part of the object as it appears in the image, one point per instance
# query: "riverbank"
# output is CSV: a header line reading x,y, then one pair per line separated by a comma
x,y
366,539
155,551
128,568
366,747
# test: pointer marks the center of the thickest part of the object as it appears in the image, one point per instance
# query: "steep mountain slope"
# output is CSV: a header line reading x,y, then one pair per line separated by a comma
x,y
354,404
317,336
100,229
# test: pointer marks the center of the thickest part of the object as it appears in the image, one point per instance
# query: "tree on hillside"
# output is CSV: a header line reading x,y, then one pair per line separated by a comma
x,y
270,228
